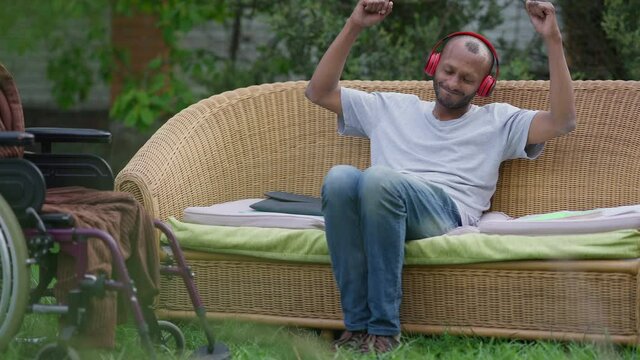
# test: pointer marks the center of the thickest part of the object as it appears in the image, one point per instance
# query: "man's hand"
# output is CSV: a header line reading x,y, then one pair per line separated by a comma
x,y
543,18
370,12
324,88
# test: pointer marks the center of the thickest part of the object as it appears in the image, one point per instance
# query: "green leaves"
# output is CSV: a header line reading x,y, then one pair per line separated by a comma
x,y
300,31
72,77
294,34
394,49
148,99
622,26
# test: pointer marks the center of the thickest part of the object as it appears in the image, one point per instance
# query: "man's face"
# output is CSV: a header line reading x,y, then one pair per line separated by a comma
x,y
452,99
458,76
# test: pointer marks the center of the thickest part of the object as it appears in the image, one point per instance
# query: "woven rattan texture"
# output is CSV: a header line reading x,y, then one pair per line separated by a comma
x,y
270,289
242,143
585,302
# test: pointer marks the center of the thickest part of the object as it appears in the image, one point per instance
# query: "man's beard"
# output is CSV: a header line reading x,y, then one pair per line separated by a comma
x,y
449,104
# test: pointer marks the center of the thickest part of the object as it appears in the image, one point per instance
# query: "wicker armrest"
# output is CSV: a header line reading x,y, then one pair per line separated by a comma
x,y
238,144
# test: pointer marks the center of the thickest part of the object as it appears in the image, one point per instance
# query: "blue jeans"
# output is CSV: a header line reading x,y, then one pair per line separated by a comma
x,y
368,217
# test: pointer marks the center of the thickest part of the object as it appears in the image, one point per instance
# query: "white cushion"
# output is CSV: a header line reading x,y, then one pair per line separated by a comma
x,y
563,222
238,213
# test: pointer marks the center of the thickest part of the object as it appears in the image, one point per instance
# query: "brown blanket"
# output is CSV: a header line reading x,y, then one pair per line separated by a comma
x,y
120,215
11,116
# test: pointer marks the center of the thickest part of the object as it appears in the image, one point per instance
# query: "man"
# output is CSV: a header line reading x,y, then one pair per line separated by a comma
x,y
434,164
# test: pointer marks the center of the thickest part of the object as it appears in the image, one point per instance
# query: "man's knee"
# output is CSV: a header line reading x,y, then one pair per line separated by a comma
x,y
378,180
340,179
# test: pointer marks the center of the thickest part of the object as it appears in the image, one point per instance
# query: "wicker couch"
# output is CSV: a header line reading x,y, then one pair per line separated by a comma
x,y
242,143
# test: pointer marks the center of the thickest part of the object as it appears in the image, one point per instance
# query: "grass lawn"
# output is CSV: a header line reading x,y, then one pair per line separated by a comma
x,y
254,341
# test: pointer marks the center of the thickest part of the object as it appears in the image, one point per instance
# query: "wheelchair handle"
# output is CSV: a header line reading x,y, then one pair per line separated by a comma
x,y
48,135
16,138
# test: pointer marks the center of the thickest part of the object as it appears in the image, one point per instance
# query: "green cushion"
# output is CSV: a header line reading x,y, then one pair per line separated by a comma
x,y
310,245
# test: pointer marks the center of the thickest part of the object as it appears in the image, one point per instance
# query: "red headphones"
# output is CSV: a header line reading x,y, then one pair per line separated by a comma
x,y
488,83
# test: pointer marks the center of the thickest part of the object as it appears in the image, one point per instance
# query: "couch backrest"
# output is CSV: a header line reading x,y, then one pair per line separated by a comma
x,y
242,143
597,165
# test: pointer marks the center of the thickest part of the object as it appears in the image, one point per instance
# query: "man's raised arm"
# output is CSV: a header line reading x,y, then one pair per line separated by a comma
x,y
323,88
562,117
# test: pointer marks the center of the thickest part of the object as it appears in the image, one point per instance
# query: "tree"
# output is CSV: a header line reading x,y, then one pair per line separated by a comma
x,y
74,35
621,23
591,54
301,32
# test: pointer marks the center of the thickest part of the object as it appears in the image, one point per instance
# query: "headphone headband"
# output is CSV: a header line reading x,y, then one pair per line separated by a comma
x,y
479,37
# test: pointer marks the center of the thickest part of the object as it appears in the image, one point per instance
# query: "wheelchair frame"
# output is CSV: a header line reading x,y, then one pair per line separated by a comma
x,y
21,247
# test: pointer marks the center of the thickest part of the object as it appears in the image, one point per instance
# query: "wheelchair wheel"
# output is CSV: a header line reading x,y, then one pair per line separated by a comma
x,y
55,351
14,275
171,338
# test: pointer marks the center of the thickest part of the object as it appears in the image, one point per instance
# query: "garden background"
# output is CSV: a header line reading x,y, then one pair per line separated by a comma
x,y
128,65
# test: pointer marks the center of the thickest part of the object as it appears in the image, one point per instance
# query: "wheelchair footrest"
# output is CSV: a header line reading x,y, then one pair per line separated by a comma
x,y
49,309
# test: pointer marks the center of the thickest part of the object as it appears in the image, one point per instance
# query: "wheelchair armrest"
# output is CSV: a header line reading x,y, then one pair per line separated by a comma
x,y
73,170
48,135
15,138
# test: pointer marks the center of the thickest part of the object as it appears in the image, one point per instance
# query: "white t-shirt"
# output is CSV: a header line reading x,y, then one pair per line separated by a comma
x,y
461,156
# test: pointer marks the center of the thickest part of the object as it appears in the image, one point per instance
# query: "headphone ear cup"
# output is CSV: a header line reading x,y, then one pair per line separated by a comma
x,y
486,87
432,63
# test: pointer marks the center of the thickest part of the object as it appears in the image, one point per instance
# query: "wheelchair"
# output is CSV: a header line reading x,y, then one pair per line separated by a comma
x,y
31,238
